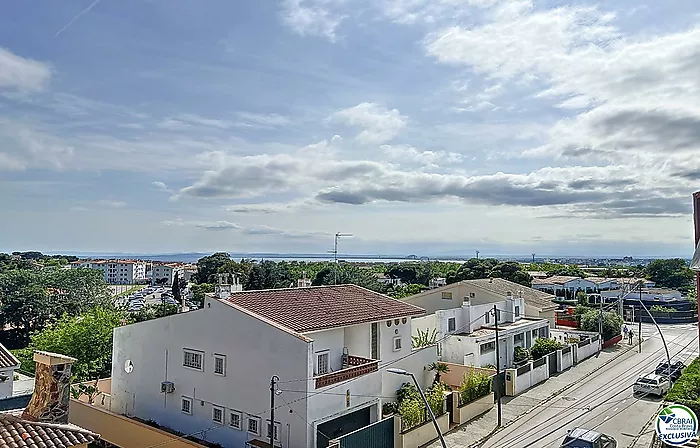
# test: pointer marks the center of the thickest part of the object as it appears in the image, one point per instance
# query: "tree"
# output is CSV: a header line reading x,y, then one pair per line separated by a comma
x,y
87,337
177,292
208,267
512,271
673,273
268,275
348,274
543,347
440,368
581,298
476,268
149,312
198,291
612,323
401,291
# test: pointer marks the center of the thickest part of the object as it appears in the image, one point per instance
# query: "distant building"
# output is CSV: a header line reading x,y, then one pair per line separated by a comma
x,y
386,280
564,286
164,273
8,365
116,272
647,294
437,282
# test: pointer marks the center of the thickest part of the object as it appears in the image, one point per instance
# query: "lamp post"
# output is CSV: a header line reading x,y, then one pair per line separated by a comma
x,y
425,400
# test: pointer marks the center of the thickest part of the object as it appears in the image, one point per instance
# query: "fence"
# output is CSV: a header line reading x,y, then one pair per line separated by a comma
x,y
523,378
565,358
586,348
377,435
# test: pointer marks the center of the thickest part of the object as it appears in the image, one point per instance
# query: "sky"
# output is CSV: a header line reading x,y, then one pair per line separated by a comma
x,y
419,126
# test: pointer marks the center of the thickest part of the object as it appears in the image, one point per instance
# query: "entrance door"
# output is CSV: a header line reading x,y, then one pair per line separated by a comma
x,y
342,425
374,341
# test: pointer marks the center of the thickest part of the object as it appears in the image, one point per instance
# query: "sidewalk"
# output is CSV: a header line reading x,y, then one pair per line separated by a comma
x,y
475,431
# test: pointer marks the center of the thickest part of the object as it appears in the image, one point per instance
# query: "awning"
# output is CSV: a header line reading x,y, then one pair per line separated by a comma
x,y
695,264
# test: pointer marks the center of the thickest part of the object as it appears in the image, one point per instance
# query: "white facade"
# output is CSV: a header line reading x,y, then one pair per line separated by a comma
x,y
652,294
253,349
159,272
8,365
116,272
463,318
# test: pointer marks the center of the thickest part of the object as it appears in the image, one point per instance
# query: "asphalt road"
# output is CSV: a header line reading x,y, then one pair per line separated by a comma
x,y
604,401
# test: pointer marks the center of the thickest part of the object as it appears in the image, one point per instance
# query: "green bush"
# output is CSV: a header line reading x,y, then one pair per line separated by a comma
x,y
662,309
412,413
474,386
543,347
520,354
411,406
612,323
686,390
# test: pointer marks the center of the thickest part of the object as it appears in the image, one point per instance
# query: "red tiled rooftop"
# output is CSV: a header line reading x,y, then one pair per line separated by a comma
x,y
322,307
18,433
6,358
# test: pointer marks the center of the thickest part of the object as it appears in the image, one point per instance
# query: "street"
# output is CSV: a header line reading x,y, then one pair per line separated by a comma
x,y
604,400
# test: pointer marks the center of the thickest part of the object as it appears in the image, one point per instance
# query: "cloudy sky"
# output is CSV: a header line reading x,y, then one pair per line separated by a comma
x,y
420,126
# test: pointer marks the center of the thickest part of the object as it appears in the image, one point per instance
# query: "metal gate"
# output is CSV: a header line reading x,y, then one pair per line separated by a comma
x,y
553,363
376,435
499,385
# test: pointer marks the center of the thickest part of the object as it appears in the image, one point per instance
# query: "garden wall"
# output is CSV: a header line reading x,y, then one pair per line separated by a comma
x,y
565,358
421,434
461,415
586,349
520,379
457,371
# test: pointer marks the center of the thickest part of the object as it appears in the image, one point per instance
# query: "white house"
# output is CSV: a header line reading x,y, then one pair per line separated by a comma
x,y
208,371
437,282
164,273
116,272
651,294
604,284
462,316
564,286
8,365
628,283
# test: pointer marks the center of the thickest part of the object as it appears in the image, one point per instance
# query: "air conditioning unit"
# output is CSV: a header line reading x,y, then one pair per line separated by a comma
x,y
167,387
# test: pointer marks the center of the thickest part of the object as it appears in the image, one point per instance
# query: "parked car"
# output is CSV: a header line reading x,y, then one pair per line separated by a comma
x,y
676,369
653,384
587,438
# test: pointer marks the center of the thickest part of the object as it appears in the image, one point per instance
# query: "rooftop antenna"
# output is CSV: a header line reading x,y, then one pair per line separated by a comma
x,y
477,254
533,258
338,235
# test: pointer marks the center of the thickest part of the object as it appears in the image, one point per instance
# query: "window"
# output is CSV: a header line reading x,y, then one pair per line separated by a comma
x,y
254,425
269,430
543,332
217,415
487,316
447,295
192,359
235,419
472,295
186,406
451,326
518,337
488,348
517,311
322,366
220,365
397,343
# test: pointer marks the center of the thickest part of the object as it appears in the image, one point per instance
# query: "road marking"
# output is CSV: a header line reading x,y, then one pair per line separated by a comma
x,y
615,410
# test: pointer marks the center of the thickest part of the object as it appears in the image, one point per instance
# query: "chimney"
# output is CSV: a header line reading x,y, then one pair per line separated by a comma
x,y
49,402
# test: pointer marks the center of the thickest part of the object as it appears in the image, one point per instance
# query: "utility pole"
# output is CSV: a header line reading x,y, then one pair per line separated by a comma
x,y
498,368
600,327
335,254
639,335
273,392
533,258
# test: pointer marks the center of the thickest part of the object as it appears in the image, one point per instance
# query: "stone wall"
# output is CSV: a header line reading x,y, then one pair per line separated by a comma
x,y
51,394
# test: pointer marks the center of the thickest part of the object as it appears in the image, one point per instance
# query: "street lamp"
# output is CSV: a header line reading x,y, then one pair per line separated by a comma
x,y
425,400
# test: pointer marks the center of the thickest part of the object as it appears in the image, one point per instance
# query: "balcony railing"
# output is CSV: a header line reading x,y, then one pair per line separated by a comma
x,y
358,366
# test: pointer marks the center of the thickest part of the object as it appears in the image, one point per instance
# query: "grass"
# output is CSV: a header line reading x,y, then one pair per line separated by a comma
x,y
132,289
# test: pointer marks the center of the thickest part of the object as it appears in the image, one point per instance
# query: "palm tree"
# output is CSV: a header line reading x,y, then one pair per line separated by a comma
x,y
440,368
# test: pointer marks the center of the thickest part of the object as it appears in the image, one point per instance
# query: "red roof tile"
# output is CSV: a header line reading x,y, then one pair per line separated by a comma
x,y
322,307
18,433
6,358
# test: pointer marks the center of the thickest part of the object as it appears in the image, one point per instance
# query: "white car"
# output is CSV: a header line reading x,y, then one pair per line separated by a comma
x,y
653,384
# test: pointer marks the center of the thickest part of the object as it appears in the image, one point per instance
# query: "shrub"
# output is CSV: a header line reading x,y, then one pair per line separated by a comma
x,y
474,386
424,338
662,309
612,323
407,391
520,354
686,390
412,413
412,409
543,347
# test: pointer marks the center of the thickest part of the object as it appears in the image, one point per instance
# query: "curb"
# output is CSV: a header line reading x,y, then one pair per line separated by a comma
x,y
548,399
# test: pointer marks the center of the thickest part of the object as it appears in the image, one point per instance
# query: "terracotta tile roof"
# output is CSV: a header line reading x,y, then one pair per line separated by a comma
x,y
502,287
6,358
321,307
18,433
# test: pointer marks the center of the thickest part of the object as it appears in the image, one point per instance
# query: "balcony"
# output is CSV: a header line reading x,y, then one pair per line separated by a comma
x,y
358,366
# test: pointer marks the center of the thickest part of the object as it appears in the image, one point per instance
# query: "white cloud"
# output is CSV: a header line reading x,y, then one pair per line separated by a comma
x,y
22,74
111,203
408,155
379,123
313,17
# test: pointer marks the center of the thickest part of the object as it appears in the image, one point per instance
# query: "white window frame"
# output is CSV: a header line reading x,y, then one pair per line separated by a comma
x,y
277,430
186,351
327,354
397,339
447,295
182,408
490,349
257,421
453,321
223,364
240,420
215,408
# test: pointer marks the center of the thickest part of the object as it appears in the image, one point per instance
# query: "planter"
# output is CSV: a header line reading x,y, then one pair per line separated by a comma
x,y
461,415
421,434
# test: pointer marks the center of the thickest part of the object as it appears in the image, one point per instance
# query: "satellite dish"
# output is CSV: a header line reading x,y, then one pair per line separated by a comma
x,y
128,366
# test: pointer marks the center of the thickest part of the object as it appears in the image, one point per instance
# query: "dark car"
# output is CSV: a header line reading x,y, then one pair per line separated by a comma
x,y
587,438
675,370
